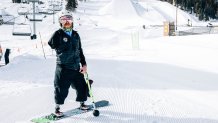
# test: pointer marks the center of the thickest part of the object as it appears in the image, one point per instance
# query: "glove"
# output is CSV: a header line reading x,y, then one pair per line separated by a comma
x,y
83,69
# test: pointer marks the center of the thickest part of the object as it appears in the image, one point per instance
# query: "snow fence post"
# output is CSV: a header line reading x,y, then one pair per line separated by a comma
x,y
135,39
42,45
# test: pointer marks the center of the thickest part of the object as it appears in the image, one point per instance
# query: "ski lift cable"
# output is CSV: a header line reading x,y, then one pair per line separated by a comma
x,y
10,6
15,17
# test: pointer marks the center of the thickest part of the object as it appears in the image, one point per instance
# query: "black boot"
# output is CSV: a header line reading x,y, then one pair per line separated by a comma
x,y
58,113
83,106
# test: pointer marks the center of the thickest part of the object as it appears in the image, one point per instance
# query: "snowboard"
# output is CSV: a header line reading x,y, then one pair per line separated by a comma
x,y
52,117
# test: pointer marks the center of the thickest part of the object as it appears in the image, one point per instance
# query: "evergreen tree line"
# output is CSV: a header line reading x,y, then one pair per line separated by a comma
x,y
203,9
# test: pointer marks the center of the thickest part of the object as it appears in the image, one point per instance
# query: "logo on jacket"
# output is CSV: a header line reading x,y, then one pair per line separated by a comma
x,y
65,39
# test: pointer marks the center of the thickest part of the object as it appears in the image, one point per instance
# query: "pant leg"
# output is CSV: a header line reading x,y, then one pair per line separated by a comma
x,y
61,84
6,59
79,84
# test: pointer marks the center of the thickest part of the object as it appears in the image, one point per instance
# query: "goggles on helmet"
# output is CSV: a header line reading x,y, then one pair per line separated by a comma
x,y
65,18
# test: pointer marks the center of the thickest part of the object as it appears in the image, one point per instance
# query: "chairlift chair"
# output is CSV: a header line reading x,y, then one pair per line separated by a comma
x,y
21,30
22,10
38,17
57,7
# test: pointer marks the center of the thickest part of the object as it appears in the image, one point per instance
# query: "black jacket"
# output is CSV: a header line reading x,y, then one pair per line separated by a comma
x,y
68,49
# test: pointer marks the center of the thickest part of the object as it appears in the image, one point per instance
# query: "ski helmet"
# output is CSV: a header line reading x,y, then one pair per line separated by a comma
x,y
65,13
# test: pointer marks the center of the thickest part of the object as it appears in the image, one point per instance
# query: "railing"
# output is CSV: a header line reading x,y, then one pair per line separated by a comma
x,y
199,30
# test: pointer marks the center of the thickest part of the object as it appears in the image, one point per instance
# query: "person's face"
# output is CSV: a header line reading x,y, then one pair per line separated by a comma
x,y
66,21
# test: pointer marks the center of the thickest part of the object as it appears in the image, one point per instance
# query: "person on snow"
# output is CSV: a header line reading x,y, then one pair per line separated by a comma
x,y
7,53
70,63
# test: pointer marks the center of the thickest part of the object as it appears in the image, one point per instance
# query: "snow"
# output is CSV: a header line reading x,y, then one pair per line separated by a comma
x,y
162,80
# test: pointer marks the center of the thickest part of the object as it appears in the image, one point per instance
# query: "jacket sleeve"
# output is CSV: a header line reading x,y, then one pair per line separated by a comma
x,y
53,42
82,57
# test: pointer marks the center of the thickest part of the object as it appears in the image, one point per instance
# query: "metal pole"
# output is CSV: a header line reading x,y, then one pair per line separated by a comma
x,y
53,12
176,13
34,19
90,90
34,23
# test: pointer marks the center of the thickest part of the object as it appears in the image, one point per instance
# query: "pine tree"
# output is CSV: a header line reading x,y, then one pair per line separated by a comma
x,y
204,9
71,5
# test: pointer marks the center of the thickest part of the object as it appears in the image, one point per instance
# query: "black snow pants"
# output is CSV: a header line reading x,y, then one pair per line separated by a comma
x,y
64,78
